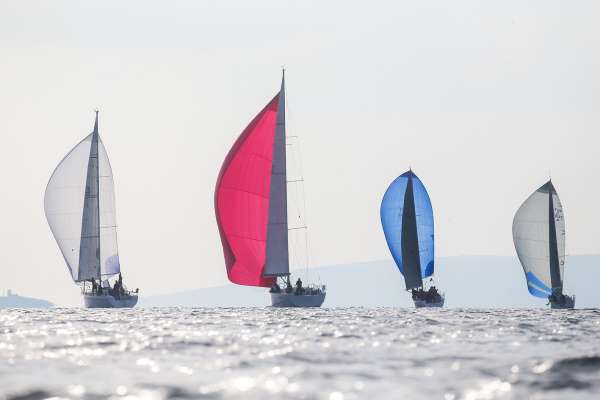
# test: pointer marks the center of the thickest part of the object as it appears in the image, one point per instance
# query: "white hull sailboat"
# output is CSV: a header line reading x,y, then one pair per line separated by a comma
x,y
407,221
539,237
108,301
79,204
252,210
297,300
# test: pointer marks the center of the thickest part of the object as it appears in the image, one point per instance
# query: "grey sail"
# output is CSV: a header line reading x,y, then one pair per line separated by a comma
x,y
539,238
410,240
277,254
89,246
79,205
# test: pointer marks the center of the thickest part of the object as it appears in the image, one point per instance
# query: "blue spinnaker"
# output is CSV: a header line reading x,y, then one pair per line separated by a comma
x,y
406,206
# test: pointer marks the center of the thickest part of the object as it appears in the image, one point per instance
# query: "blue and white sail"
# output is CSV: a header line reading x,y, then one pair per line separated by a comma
x,y
80,208
539,238
407,220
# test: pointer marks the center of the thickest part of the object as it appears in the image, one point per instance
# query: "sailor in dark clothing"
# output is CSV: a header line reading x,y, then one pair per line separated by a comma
x,y
116,290
433,294
299,289
275,288
557,298
94,286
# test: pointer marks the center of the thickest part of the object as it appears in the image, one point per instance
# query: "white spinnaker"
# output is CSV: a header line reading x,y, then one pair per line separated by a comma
x,y
531,235
63,202
109,253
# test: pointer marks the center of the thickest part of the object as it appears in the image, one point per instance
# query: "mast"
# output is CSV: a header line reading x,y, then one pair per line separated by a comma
x,y
410,240
95,139
277,252
553,245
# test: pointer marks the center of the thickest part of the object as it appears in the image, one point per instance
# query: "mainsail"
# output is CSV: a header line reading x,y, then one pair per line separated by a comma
x,y
539,238
79,203
251,200
407,220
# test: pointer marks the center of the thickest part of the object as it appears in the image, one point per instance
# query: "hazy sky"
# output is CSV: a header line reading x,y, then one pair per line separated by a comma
x,y
482,99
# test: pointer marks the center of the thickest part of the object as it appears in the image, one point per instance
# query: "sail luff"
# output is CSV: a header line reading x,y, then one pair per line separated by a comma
x,y
277,251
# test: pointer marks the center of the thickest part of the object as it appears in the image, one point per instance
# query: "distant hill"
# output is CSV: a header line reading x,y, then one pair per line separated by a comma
x,y
468,281
16,301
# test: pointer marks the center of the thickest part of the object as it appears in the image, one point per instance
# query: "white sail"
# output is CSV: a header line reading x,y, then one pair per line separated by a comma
x,y
79,205
277,260
109,252
540,250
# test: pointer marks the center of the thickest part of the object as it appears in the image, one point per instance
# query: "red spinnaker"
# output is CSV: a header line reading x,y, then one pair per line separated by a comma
x,y
242,199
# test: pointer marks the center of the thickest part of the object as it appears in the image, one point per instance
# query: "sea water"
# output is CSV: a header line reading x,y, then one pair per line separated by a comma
x,y
333,354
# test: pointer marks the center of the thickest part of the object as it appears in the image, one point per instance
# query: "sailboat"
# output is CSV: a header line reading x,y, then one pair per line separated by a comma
x,y
79,204
407,220
539,236
251,210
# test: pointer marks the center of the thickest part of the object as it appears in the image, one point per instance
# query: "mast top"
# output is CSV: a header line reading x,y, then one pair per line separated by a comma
x,y
96,121
282,79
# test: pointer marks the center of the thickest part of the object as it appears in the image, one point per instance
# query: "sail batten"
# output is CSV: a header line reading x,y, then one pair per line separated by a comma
x,y
407,221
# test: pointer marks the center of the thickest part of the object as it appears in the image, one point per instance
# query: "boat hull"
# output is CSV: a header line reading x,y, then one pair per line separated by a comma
x,y
426,304
108,301
297,300
567,305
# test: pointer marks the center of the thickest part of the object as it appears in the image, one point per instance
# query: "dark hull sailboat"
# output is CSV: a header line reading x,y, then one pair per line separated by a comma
x,y
79,204
539,238
407,221
251,210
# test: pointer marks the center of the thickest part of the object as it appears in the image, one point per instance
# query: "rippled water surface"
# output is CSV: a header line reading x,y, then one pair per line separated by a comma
x,y
334,354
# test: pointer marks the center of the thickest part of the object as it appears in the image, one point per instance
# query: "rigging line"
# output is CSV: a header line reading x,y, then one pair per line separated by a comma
x,y
303,217
290,144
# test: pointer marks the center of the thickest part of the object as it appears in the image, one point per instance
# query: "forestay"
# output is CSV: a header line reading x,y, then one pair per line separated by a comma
x,y
539,238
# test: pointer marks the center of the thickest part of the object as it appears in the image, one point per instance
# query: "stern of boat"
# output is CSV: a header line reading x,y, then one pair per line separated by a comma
x,y
568,304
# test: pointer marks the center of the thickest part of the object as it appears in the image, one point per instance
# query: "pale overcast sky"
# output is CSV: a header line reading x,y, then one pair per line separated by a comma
x,y
482,99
